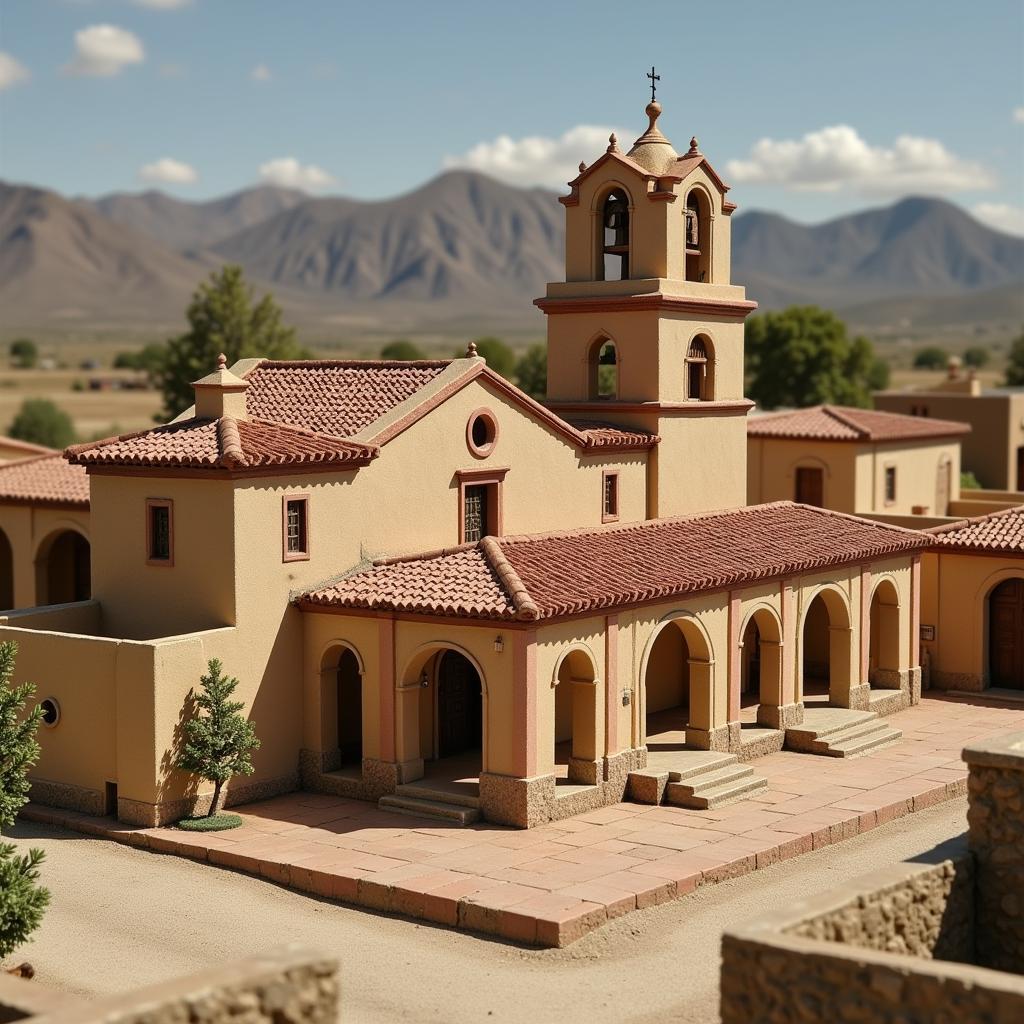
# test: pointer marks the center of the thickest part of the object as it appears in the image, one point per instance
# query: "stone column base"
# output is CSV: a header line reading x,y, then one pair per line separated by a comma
x,y
709,739
914,684
780,716
735,733
585,773
860,697
523,803
616,772
379,777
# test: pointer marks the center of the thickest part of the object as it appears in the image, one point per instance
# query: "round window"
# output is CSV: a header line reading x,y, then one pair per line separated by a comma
x,y
482,433
51,711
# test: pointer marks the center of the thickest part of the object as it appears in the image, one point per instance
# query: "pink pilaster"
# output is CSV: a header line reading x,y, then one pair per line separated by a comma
x,y
524,701
386,635
733,680
915,612
611,685
865,622
787,602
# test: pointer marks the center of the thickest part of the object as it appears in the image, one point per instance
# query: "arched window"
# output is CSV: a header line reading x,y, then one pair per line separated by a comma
x,y
698,237
613,257
699,371
603,369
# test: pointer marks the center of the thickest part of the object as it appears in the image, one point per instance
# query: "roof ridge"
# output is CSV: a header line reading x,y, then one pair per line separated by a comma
x,y
851,516
283,364
424,556
53,454
842,414
296,428
974,520
526,608
229,441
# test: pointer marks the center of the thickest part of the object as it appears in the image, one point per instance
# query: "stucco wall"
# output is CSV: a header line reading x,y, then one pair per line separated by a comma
x,y
28,529
772,466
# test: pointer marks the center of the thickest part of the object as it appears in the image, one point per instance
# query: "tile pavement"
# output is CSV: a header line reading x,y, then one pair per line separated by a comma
x,y
551,885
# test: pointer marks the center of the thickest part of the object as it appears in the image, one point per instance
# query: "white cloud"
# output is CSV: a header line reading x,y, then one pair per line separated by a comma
x,y
162,5
11,71
1001,216
104,50
1018,115
260,73
536,160
837,158
167,171
287,172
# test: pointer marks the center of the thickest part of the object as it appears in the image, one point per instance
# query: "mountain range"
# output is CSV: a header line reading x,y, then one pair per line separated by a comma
x,y
463,252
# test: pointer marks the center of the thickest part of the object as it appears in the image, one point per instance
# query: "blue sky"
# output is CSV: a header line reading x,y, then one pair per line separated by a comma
x,y
808,108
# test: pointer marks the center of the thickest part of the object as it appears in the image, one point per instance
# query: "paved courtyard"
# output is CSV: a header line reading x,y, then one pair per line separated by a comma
x,y
551,885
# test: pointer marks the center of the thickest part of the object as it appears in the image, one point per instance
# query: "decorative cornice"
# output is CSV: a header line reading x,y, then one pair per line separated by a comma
x,y
656,301
740,405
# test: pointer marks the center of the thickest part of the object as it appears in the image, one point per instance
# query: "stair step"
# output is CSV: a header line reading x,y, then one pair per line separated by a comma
x,y
720,777
454,813
714,796
424,791
852,733
850,719
862,744
693,766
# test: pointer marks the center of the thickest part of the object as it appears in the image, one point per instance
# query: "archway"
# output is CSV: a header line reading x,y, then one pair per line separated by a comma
x,y
613,234
1006,635
459,708
761,670
677,688
575,720
884,637
603,369
6,573
63,569
826,663
698,236
341,707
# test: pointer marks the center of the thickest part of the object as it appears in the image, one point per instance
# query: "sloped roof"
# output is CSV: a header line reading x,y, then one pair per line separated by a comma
x,y
27,447
221,444
47,480
843,423
996,533
581,571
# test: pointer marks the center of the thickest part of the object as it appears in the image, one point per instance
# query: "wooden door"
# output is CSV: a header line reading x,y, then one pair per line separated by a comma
x,y
350,709
459,706
810,486
1006,635
1020,468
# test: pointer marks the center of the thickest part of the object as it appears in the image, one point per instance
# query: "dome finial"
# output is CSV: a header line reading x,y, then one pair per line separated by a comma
x,y
694,151
613,143
471,350
222,362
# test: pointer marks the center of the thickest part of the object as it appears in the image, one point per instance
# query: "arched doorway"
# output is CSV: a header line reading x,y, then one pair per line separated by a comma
x,y
1006,635
459,707
826,654
603,369
575,738
677,688
63,569
884,637
698,237
341,707
6,573
761,670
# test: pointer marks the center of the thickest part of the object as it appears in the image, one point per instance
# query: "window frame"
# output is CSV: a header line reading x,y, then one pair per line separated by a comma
x,y
493,479
887,468
151,504
484,450
606,476
295,556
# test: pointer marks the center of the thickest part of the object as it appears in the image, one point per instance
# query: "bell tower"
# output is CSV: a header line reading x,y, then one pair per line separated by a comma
x,y
646,330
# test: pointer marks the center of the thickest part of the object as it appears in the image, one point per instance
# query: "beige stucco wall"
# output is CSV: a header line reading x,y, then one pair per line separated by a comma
x,y
29,529
954,600
918,467
772,466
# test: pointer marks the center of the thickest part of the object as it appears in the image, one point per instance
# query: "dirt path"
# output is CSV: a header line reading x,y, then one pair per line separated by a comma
x,y
121,918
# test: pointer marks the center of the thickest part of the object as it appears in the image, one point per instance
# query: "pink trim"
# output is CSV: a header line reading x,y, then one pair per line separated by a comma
x,y
787,601
524,701
386,675
482,451
733,680
294,556
611,685
915,611
607,517
865,622
168,504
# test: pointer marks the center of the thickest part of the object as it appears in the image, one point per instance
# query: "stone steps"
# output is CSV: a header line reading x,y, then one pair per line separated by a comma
x,y
838,732
451,813
647,785
888,702
422,790
715,787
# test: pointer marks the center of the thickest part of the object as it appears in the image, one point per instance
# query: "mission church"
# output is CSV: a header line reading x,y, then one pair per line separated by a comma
x,y
442,595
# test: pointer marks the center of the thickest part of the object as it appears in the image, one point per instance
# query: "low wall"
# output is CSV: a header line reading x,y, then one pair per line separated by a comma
x,y
81,617
290,985
909,522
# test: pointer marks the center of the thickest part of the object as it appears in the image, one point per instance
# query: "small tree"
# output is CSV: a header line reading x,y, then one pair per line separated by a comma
x,y
930,358
22,901
1015,366
219,743
39,421
976,356
532,371
401,349
500,358
24,353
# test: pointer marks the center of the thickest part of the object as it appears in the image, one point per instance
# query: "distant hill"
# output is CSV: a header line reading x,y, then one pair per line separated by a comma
x,y
462,252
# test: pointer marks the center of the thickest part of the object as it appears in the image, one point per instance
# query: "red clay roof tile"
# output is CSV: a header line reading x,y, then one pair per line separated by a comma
x,y
581,571
842,423
47,480
997,533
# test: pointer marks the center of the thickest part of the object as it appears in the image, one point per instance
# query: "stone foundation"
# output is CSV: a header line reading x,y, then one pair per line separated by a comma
x,y
524,803
719,739
71,798
616,772
956,681
860,697
781,716
380,777
585,773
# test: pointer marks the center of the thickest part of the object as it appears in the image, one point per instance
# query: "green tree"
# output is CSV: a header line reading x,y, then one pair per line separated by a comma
x,y
24,353
39,421
930,358
500,358
22,901
803,356
532,371
1015,365
402,350
223,317
976,356
149,359
219,743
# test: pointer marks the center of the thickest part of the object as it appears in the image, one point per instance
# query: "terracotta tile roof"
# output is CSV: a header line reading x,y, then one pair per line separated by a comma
x,y
221,444
842,423
27,447
582,571
47,480
608,435
335,397
997,533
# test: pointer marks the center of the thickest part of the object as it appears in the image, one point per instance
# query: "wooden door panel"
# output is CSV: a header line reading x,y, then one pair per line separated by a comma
x,y
1006,635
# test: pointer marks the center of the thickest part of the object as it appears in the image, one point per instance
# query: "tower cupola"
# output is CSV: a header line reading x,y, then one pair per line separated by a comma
x,y
652,150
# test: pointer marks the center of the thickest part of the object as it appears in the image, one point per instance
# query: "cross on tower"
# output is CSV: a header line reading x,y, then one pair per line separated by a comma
x,y
654,80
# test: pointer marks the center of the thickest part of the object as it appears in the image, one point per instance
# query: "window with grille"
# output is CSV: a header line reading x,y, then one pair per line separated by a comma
x,y
159,537
296,530
610,508
698,388
890,484
474,513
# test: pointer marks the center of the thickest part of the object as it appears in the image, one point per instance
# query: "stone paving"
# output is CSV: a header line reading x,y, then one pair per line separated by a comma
x,y
550,885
